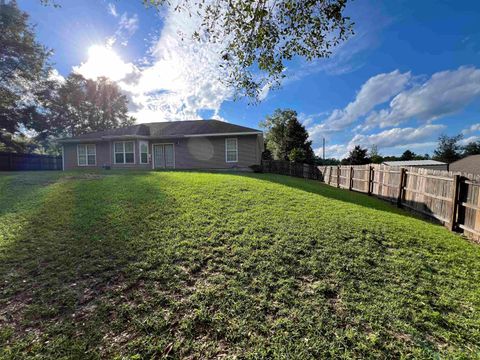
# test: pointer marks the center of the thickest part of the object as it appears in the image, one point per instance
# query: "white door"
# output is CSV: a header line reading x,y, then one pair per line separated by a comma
x,y
163,156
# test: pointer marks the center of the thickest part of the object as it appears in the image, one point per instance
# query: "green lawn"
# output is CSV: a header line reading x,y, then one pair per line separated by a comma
x,y
198,265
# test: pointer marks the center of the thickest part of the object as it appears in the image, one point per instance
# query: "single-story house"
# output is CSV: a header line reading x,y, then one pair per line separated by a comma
x,y
469,165
425,164
195,144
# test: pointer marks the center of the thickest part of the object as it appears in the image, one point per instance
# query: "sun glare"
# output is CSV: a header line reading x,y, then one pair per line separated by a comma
x,y
103,61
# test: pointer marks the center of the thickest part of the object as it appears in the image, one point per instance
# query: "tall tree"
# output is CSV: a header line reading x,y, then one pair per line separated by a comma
x,y
286,138
24,76
374,155
472,148
84,105
408,155
357,156
448,149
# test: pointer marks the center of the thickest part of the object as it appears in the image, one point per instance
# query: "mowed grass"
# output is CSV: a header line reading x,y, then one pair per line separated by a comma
x,y
193,265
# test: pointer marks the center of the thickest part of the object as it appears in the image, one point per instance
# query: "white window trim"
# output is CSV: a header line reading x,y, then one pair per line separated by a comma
x,y
140,143
124,157
86,154
226,150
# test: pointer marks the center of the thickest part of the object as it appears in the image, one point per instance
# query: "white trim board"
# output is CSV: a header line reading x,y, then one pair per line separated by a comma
x,y
226,134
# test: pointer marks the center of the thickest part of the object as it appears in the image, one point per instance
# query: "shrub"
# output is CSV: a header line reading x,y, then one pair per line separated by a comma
x,y
256,168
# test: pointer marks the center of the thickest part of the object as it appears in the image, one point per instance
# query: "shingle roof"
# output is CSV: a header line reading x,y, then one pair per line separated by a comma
x,y
170,128
414,163
469,164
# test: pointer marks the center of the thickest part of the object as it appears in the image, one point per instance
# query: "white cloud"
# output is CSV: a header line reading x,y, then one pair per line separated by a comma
x,y
184,76
376,90
112,10
181,78
445,93
308,120
469,139
129,23
56,76
127,26
337,151
471,129
398,137
103,61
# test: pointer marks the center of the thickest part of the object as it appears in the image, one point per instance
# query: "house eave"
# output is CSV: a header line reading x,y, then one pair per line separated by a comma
x,y
226,134
144,137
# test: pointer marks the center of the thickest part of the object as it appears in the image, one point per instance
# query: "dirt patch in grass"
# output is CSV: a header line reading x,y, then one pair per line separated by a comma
x,y
82,176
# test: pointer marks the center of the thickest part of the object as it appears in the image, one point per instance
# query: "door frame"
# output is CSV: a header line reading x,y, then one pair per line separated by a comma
x,y
153,154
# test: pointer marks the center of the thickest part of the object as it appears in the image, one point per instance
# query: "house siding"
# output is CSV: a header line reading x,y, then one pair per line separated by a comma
x,y
190,153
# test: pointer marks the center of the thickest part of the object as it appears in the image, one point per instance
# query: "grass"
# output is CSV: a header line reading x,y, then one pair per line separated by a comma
x,y
197,265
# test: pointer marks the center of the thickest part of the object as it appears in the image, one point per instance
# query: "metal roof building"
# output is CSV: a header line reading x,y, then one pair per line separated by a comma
x,y
426,164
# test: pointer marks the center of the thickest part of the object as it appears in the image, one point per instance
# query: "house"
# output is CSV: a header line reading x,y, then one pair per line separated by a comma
x,y
426,164
469,165
195,144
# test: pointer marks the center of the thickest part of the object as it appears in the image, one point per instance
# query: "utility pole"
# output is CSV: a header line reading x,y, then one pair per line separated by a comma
x,y
323,149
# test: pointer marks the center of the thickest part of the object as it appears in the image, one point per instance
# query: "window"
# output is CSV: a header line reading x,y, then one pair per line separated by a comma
x,y
143,152
124,152
87,154
231,150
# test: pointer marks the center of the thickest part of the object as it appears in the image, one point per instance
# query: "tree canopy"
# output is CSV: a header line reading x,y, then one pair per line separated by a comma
x,y
472,148
448,149
286,138
83,105
24,76
357,156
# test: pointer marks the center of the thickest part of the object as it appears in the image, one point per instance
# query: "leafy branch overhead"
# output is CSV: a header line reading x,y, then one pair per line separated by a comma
x,y
261,35
258,37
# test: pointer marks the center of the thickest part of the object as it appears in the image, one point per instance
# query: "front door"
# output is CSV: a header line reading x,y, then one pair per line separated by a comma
x,y
163,156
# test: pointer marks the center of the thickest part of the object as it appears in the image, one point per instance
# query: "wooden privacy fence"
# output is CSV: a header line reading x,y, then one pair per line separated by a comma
x,y
15,162
451,198
291,168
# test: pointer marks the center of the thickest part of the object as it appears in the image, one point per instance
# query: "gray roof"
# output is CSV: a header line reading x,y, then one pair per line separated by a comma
x,y
414,163
169,129
469,164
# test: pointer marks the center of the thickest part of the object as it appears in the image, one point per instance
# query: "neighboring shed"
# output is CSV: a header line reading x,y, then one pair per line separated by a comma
x,y
469,164
426,164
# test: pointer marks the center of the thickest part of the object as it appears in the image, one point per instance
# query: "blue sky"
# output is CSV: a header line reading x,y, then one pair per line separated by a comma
x,y
410,73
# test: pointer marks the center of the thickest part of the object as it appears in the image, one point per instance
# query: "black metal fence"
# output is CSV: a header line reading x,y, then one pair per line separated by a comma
x,y
290,168
17,162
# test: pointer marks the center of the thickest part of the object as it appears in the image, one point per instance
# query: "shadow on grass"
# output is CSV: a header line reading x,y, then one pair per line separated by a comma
x,y
352,197
80,244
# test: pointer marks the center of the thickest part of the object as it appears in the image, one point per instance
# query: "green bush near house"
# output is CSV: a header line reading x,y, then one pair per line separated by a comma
x,y
250,266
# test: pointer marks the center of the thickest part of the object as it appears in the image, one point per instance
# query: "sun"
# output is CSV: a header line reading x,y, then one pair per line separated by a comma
x,y
104,61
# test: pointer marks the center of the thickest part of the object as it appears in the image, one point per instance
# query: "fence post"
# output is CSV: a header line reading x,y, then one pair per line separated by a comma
x,y
338,176
455,196
400,187
370,181
330,175
350,179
